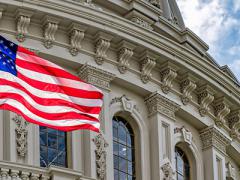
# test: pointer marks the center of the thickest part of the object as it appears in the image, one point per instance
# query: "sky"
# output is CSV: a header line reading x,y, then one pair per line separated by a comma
x,y
217,22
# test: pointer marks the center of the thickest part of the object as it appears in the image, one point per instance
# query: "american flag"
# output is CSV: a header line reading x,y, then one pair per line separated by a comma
x,y
44,93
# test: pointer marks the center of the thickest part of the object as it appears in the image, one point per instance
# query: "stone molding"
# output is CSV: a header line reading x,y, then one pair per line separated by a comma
x,y
96,76
21,135
157,103
50,26
205,98
101,47
147,64
101,154
221,110
187,86
125,53
156,3
212,138
168,74
76,36
23,22
234,123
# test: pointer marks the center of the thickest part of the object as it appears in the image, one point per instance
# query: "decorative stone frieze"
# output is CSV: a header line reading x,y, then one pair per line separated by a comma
x,y
234,123
50,25
101,154
23,22
157,103
156,3
141,22
205,98
21,135
168,171
168,74
96,76
187,86
124,55
76,37
127,103
101,47
186,134
24,175
212,137
221,110
230,171
148,62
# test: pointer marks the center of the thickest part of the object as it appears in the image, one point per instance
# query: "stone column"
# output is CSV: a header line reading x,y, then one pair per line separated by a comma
x,y
214,151
162,117
1,134
101,79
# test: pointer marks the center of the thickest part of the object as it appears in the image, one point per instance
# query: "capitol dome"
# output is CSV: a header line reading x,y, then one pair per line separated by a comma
x,y
170,111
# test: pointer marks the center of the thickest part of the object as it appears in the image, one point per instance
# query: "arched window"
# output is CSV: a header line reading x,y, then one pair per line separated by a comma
x,y
182,165
53,149
123,150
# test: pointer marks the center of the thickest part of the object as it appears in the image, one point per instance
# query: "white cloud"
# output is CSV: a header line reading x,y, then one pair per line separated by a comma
x,y
236,5
235,67
208,19
234,50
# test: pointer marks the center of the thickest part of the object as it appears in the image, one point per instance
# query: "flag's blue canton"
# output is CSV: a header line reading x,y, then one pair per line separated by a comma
x,y
8,51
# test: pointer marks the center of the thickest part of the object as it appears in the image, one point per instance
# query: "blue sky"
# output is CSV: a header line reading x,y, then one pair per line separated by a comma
x,y
217,22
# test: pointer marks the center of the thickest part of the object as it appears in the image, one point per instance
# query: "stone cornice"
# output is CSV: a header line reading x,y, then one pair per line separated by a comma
x,y
156,103
96,76
212,137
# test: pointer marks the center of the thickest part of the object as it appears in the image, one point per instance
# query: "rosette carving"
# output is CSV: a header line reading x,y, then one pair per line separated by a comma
x,y
168,74
221,111
147,64
205,98
187,86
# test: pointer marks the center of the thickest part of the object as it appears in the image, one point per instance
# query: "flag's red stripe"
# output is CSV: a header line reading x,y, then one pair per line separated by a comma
x,y
51,102
46,64
50,116
62,128
52,71
60,89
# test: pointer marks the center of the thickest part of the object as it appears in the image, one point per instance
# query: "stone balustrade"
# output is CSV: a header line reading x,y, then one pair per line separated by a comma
x,y
15,171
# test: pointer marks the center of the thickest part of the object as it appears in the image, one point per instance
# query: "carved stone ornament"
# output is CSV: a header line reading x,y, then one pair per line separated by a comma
x,y
186,134
50,29
230,171
221,110
125,54
205,98
141,22
128,104
157,103
96,76
147,64
212,137
76,37
21,135
156,3
234,123
101,47
101,154
168,74
168,171
187,85
23,22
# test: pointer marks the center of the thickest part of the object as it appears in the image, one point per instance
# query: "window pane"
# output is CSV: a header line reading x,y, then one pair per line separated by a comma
x,y
122,135
43,139
182,165
122,151
52,155
129,154
115,174
123,176
52,141
122,165
61,143
115,148
130,168
52,131
115,162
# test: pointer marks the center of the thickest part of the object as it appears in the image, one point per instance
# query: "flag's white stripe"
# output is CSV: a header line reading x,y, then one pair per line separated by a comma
x,y
69,122
51,95
46,109
53,79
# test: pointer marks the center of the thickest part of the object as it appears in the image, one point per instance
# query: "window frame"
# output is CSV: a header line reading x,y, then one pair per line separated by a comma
x,y
186,168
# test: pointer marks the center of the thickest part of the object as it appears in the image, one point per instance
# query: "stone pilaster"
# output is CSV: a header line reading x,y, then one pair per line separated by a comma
x,y
162,117
101,79
214,143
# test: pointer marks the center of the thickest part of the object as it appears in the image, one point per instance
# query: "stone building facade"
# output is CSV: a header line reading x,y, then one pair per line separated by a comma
x,y
170,111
